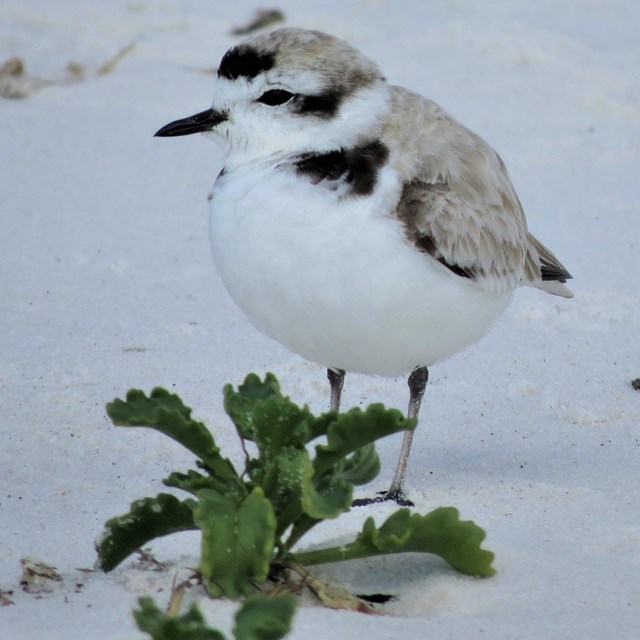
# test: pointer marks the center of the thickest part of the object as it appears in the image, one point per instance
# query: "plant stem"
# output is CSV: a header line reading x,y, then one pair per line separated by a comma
x,y
335,554
301,526
288,517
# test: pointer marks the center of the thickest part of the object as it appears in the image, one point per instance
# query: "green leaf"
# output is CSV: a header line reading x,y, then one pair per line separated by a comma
x,y
282,480
147,519
362,466
192,481
161,626
327,499
293,490
259,618
265,618
277,424
440,532
355,429
166,413
258,408
238,539
240,404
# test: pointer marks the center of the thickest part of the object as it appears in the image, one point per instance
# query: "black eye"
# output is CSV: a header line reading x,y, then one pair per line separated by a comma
x,y
274,97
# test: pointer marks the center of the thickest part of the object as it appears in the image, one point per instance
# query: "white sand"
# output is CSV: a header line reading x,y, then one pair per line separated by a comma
x,y
107,283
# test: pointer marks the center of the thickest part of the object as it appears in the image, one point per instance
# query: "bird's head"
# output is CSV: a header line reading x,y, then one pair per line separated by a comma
x,y
291,90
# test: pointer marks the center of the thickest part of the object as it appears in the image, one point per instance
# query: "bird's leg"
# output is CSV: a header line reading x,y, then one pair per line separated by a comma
x,y
417,384
336,380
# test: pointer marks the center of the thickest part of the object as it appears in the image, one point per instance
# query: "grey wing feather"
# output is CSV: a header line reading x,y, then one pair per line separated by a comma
x,y
458,203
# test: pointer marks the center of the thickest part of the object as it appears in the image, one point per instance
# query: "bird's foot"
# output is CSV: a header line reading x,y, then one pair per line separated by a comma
x,y
396,496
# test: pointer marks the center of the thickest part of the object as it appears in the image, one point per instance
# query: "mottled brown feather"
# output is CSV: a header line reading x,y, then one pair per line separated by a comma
x,y
457,202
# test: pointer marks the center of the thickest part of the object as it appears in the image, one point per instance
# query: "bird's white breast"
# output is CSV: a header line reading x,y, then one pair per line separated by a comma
x,y
335,280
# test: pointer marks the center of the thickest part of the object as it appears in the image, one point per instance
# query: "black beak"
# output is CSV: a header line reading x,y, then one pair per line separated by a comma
x,y
204,121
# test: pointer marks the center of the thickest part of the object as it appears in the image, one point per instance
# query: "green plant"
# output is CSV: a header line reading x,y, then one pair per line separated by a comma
x,y
259,618
250,521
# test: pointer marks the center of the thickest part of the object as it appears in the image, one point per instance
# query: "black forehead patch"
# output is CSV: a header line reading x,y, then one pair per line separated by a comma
x,y
246,62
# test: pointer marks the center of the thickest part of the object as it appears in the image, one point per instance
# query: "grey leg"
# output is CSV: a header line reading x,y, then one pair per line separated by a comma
x,y
336,380
417,384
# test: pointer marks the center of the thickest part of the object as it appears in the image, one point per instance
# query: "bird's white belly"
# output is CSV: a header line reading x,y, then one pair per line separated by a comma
x,y
336,283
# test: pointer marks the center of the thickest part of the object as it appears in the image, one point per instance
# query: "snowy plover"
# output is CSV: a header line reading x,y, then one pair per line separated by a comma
x,y
356,222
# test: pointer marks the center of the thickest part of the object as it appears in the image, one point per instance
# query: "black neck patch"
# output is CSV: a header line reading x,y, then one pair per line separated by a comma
x,y
357,167
245,62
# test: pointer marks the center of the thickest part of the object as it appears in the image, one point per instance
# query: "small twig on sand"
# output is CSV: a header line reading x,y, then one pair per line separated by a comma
x,y
110,64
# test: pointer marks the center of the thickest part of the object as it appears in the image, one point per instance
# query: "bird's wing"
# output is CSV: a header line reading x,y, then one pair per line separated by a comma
x,y
458,205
